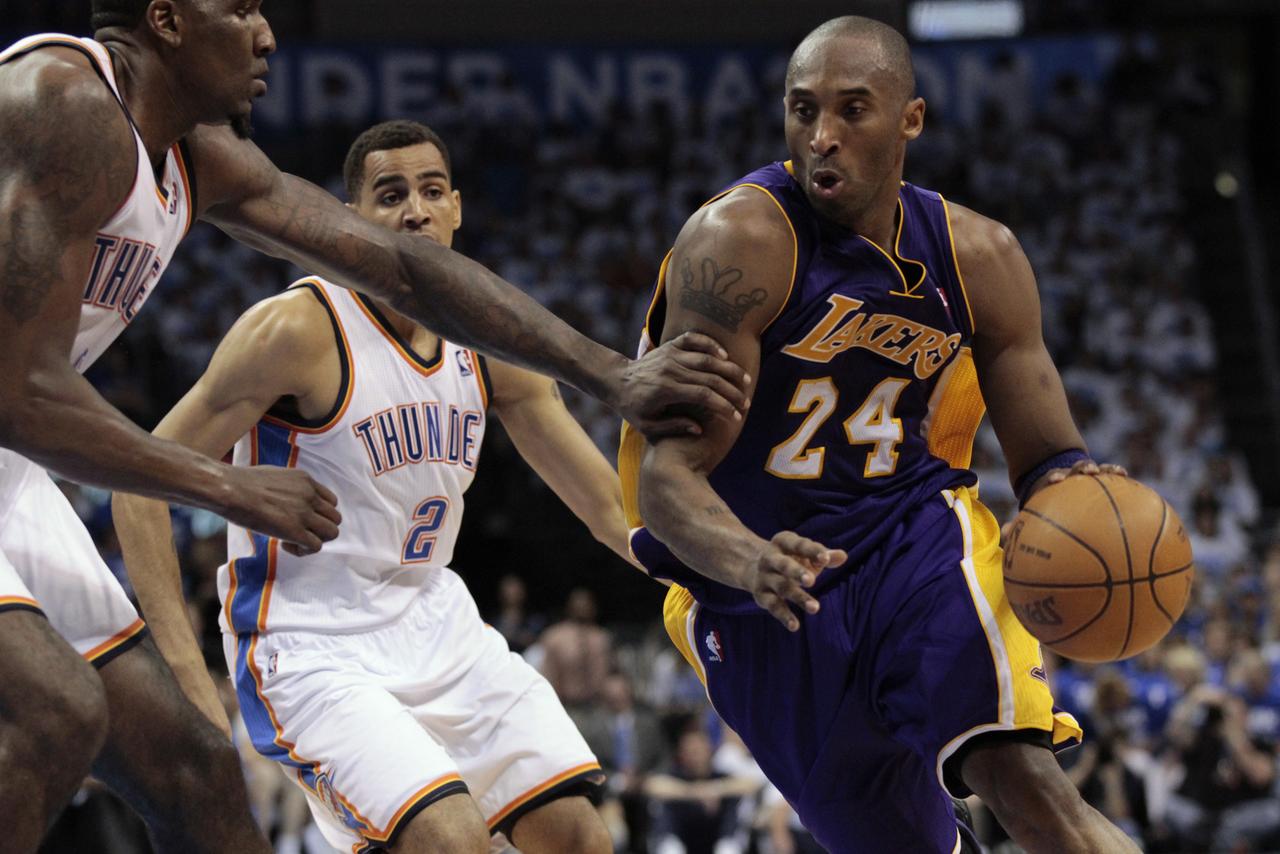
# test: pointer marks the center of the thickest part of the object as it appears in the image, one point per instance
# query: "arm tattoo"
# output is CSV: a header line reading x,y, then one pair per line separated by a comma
x,y
711,294
70,172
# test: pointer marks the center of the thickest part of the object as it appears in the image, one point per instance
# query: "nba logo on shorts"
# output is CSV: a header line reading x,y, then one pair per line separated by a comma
x,y
464,363
713,646
271,663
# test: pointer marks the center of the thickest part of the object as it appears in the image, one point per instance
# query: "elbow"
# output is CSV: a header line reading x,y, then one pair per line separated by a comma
x,y
22,412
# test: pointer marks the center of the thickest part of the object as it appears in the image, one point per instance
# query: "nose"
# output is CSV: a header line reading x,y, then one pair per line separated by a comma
x,y
824,142
264,42
415,213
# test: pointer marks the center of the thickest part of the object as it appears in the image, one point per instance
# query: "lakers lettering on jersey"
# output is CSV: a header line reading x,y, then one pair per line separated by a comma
x,y
135,245
399,448
866,400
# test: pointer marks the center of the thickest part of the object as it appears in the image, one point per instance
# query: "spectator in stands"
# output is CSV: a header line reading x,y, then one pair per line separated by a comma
x,y
577,654
695,807
513,621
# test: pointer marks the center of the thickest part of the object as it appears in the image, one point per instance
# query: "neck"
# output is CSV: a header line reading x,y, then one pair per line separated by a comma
x,y
419,337
147,88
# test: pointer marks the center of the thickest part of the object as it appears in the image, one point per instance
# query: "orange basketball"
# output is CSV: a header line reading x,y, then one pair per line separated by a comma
x,y
1098,567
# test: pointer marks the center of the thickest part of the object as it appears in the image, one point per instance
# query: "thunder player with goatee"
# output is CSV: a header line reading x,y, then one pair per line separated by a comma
x,y
109,149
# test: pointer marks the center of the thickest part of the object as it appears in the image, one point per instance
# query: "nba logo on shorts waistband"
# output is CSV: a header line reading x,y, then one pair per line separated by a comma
x,y
271,663
713,646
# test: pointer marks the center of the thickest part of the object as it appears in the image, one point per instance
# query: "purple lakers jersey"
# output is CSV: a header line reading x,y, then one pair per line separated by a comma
x,y
867,400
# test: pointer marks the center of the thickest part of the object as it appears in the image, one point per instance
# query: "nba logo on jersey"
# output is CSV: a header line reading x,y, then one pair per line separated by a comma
x,y
713,646
464,362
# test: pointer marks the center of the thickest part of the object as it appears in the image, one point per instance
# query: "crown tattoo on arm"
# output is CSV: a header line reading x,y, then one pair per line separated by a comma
x,y
710,294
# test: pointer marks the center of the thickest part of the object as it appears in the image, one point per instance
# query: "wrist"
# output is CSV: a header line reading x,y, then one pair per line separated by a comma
x,y
214,488
604,377
1030,481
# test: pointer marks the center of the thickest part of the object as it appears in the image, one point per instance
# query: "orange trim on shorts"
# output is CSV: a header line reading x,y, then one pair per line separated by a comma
x,y
279,739
114,641
539,789
18,600
379,836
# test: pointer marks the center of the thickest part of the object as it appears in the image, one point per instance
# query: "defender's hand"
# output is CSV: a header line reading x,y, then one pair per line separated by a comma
x,y
785,567
284,503
688,374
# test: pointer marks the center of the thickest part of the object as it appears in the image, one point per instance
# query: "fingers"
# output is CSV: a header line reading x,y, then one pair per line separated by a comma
x,y
709,357
675,426
326,505
1088,467
815,553
778,607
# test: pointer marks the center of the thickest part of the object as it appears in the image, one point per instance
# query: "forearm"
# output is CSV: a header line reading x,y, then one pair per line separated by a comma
x,y
146,543
58,420
465,302
682,510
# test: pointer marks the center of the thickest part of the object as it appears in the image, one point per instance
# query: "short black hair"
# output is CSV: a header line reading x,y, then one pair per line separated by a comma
x,y
116,13
894,48
385,137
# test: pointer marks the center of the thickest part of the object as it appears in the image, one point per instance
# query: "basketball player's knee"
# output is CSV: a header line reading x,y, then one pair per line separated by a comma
x,y
587,835
207,759
1029,794
449,826
567,826
71,718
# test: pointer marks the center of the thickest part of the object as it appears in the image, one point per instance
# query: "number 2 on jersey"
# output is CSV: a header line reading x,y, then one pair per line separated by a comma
x,y
871,424
421,541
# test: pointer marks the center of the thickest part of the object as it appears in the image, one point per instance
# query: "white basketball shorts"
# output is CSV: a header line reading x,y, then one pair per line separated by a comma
x,y
49,564
376,726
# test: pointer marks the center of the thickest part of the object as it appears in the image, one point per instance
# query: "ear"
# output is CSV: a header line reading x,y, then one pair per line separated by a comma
x,y
457,210
913,119
164,20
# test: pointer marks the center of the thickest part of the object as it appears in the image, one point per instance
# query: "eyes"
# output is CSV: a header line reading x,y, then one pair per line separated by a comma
x,y
806,111
391,197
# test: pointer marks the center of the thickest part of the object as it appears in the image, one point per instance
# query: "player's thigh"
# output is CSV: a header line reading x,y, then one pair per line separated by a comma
x,y
160,748
514,743
953,662
57,560
1022,784
568,825
51,700
312,703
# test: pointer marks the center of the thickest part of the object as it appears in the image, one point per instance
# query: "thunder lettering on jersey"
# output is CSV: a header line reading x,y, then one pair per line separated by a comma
x,y
133,248
866,400
399,448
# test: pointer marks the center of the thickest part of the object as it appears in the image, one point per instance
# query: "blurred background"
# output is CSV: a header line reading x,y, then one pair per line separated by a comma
x,y
1127,145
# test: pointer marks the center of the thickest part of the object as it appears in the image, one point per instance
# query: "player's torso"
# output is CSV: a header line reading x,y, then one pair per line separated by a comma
x,y
399,449
866,397
135,245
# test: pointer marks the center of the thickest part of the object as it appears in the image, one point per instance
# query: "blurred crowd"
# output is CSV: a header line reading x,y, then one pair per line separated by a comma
x,y
1182,741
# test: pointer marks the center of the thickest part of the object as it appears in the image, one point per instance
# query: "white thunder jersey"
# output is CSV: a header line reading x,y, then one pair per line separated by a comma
x,y
399,448
135,245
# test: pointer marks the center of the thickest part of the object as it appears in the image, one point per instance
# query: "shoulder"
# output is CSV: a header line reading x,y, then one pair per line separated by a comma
x,y
998,277
980,240
62,122
746,215
292,326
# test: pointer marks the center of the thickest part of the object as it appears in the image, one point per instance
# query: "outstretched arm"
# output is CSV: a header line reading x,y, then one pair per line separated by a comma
x,y
279,347
559,450
739,249
282,215
67,161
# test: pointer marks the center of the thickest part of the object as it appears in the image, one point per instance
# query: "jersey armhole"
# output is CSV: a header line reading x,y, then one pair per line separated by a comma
x,y
281,414
485,381
966,321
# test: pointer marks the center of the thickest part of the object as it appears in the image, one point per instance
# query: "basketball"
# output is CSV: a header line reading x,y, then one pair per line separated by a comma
x,y
1098,567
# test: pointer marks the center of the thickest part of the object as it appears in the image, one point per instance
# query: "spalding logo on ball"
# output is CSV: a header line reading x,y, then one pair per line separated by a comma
x,y
1098,567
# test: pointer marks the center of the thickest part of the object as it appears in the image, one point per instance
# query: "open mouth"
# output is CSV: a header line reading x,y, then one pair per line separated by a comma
x,y
826,182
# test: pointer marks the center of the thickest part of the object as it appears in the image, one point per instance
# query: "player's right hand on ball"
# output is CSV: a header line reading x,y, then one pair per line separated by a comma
x,y
286,504
786,566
